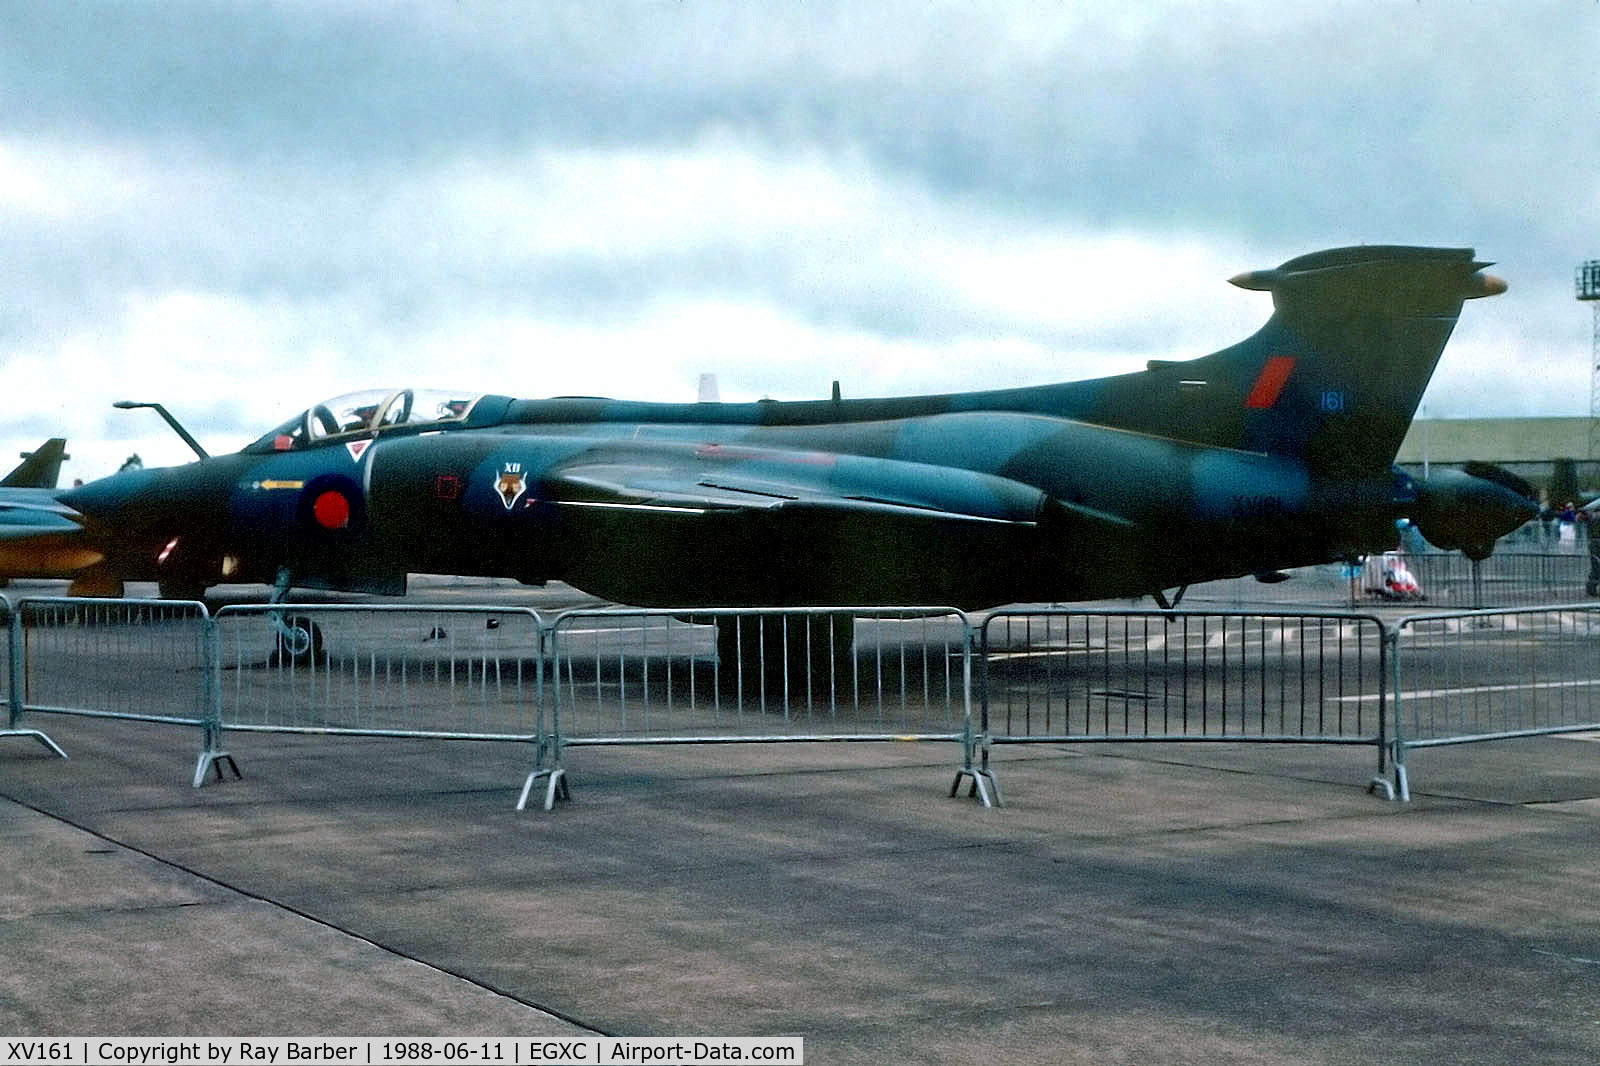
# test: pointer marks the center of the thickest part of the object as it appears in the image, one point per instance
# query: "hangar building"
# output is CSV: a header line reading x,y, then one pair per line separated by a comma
x,y
1551,453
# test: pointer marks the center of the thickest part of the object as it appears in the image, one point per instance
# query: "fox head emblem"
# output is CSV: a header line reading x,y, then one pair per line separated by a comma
x,y
510,484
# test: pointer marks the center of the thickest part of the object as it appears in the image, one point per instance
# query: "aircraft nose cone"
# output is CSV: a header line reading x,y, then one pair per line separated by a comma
x,y
143,501
110,497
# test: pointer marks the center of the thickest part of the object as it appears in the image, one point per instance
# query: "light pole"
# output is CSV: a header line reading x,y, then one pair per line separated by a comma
x,y
1588,286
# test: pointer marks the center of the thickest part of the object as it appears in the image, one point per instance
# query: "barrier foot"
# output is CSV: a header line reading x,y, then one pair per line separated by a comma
x,y
983,784
214,760
36,735
1400,789
556,788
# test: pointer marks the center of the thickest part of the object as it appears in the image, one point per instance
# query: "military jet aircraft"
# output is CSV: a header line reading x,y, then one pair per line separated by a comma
x,y
1273,453
39,535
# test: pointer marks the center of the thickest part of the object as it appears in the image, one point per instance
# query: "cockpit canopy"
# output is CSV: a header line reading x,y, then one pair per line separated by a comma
x,y
369,411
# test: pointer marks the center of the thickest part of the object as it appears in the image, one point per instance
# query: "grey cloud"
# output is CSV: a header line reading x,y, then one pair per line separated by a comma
x,y
291,129
1332,121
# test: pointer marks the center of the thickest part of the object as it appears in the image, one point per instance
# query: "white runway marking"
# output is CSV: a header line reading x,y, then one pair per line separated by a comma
x,y
1470,690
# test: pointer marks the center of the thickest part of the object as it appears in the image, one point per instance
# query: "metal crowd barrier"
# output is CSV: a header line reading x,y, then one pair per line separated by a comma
x,y
1445,581
1081,676
11,681
81,656
432,672
749,675
629,677
1505,579
1450,673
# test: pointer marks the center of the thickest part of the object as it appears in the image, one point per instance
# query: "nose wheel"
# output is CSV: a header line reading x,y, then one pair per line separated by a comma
x,y
298,640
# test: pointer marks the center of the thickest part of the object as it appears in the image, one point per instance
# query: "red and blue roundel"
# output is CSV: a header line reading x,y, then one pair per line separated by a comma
x,y
333,504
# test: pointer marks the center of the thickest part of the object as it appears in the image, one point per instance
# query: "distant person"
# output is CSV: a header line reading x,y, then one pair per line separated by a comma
x,y
1593,585
132,462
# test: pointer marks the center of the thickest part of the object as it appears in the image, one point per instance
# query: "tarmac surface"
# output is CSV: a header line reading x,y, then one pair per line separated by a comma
x,y
1130,903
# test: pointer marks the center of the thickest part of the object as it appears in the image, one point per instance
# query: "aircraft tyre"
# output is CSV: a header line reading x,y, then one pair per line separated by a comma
x,y
298,643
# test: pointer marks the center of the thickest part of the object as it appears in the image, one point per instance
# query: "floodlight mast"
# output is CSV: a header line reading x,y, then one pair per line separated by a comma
x,y
1588,285
129,405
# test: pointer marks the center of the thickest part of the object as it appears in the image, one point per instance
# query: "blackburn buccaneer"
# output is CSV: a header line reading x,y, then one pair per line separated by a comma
x,y
1274,453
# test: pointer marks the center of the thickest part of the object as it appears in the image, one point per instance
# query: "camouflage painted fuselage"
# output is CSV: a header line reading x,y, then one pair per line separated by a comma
x,y
1273,453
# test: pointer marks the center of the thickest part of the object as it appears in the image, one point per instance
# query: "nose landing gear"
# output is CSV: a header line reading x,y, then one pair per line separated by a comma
x,y
299,640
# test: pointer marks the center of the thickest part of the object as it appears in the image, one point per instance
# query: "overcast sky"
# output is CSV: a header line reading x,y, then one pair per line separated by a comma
x,y
242,208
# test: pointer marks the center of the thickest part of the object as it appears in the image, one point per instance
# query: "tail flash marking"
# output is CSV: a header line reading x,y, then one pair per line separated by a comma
x,y
1269,383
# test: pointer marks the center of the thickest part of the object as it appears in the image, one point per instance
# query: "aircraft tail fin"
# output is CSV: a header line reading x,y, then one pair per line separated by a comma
x,y
40,468
1335,375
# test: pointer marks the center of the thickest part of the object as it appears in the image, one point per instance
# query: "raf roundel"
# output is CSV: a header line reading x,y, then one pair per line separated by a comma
x,y
331,510
331,505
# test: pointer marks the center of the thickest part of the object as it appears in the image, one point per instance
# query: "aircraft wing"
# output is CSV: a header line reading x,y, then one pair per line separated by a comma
x,y
21,525
41,537
30,512
739,527
842,485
